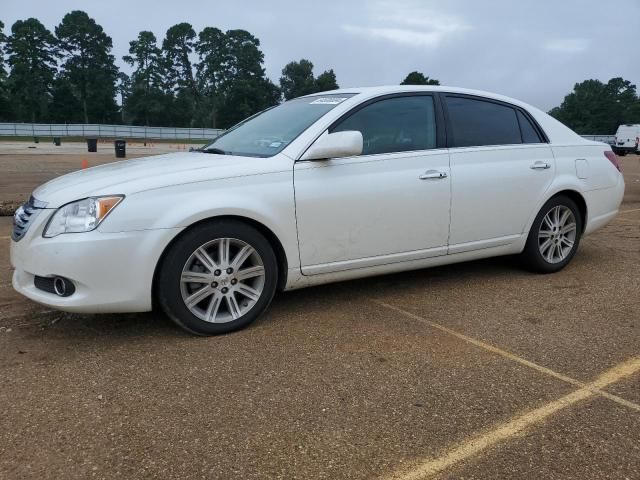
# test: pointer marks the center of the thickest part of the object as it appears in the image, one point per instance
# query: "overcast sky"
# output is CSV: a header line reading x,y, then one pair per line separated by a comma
x,y
532,50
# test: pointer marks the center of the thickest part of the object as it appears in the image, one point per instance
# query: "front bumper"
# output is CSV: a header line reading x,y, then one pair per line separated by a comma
x,y
112,272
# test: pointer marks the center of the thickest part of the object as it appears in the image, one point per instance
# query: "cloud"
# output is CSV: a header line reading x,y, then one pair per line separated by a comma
x,y
567,45
397,35
408,23
515,48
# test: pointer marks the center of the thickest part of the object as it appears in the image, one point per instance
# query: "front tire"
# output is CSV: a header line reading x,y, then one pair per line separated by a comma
x,y
554,236
217,277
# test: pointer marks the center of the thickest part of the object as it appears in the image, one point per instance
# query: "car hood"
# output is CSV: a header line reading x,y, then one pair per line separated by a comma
x,y
130,176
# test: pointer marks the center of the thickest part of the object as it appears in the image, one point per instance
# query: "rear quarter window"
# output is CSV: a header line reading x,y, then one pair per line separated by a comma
x,y
529,133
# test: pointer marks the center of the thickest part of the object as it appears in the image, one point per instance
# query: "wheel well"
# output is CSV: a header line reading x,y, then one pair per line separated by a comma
x,y
580,202
278,249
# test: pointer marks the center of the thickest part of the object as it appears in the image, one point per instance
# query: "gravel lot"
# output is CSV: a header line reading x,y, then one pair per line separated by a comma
x,y
475,371
25,165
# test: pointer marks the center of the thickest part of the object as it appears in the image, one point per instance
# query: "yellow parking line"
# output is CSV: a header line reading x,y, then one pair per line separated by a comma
x,y
477,444
509,355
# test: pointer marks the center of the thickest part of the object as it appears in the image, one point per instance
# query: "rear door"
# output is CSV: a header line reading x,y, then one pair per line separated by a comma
x,y
389,204
501,168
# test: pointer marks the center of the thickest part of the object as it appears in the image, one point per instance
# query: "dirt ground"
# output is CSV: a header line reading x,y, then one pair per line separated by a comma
x,y
26,165
471,371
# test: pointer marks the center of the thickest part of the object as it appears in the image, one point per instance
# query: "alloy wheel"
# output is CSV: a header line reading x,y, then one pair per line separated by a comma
x,y
222,280
557,234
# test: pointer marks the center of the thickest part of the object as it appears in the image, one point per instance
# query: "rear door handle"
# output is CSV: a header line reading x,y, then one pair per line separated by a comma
x,y
433,175
540,166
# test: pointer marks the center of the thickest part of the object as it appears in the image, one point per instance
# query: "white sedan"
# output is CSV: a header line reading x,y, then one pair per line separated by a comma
x,y
328,187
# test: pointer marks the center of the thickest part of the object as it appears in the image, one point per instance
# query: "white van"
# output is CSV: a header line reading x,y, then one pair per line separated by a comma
x,y
627,139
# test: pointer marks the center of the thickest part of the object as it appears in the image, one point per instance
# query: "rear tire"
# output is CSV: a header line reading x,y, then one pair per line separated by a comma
x,y
554,236
217,277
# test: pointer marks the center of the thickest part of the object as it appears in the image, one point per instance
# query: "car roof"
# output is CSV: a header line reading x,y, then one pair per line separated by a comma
x,y
556,131
387,89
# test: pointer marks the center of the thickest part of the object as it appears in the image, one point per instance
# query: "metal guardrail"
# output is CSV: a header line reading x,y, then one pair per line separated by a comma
x,y
105,131
129,131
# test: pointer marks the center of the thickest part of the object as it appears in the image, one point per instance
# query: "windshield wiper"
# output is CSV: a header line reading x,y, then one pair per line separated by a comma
x,y
217,151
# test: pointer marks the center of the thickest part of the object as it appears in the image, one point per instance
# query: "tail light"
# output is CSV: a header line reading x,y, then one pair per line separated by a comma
x,y
613,158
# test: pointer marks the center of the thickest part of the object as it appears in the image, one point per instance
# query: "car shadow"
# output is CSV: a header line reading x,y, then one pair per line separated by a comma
x,y
155,325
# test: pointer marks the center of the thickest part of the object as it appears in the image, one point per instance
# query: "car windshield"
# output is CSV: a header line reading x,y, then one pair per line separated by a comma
x,y
269,132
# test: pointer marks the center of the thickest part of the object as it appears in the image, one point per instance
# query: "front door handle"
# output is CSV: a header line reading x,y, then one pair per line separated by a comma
x,y
540,166
433,175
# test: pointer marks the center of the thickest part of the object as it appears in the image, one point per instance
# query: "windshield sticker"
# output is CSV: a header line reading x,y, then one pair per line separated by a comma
x,y
275,144
328,101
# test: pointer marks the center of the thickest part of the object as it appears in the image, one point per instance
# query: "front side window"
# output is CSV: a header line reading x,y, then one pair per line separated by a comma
x,y
269,132
397,124
477,122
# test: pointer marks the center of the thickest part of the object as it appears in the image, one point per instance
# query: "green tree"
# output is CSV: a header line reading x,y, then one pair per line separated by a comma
x,y
32,55
598,108
177,48
326,81
244,97
244,86
624,106
298,80
3,40
65,106
124,90
5,111
211,73
89,66
418,78
146,101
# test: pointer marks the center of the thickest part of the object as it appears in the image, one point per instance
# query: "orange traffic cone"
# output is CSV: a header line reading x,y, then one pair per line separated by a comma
x,y
85,163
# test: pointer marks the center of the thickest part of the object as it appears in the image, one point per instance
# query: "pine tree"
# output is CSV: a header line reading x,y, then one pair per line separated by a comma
x,y
32,54
211,71
298,80
146,101
177,48
418,78
5,111
89,66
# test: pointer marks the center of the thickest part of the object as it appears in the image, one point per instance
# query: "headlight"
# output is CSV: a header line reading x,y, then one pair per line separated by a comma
x,y
81,216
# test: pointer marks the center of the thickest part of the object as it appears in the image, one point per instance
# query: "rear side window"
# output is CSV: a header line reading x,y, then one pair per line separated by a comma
x,y
478,122
397,124
529,133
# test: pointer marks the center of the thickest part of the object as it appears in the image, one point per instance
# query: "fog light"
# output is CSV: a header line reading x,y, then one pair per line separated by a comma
x,y
60,286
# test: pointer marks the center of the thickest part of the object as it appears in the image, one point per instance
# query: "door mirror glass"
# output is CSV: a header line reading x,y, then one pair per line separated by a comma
x,y
335,145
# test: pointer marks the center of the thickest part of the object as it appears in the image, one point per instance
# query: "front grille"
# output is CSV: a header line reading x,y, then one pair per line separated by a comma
x,y
24,217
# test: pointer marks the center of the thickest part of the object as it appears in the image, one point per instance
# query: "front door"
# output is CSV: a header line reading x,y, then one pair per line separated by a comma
x,y
390,204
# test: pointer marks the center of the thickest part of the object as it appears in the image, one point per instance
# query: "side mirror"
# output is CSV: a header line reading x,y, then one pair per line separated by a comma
x,y
335,145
